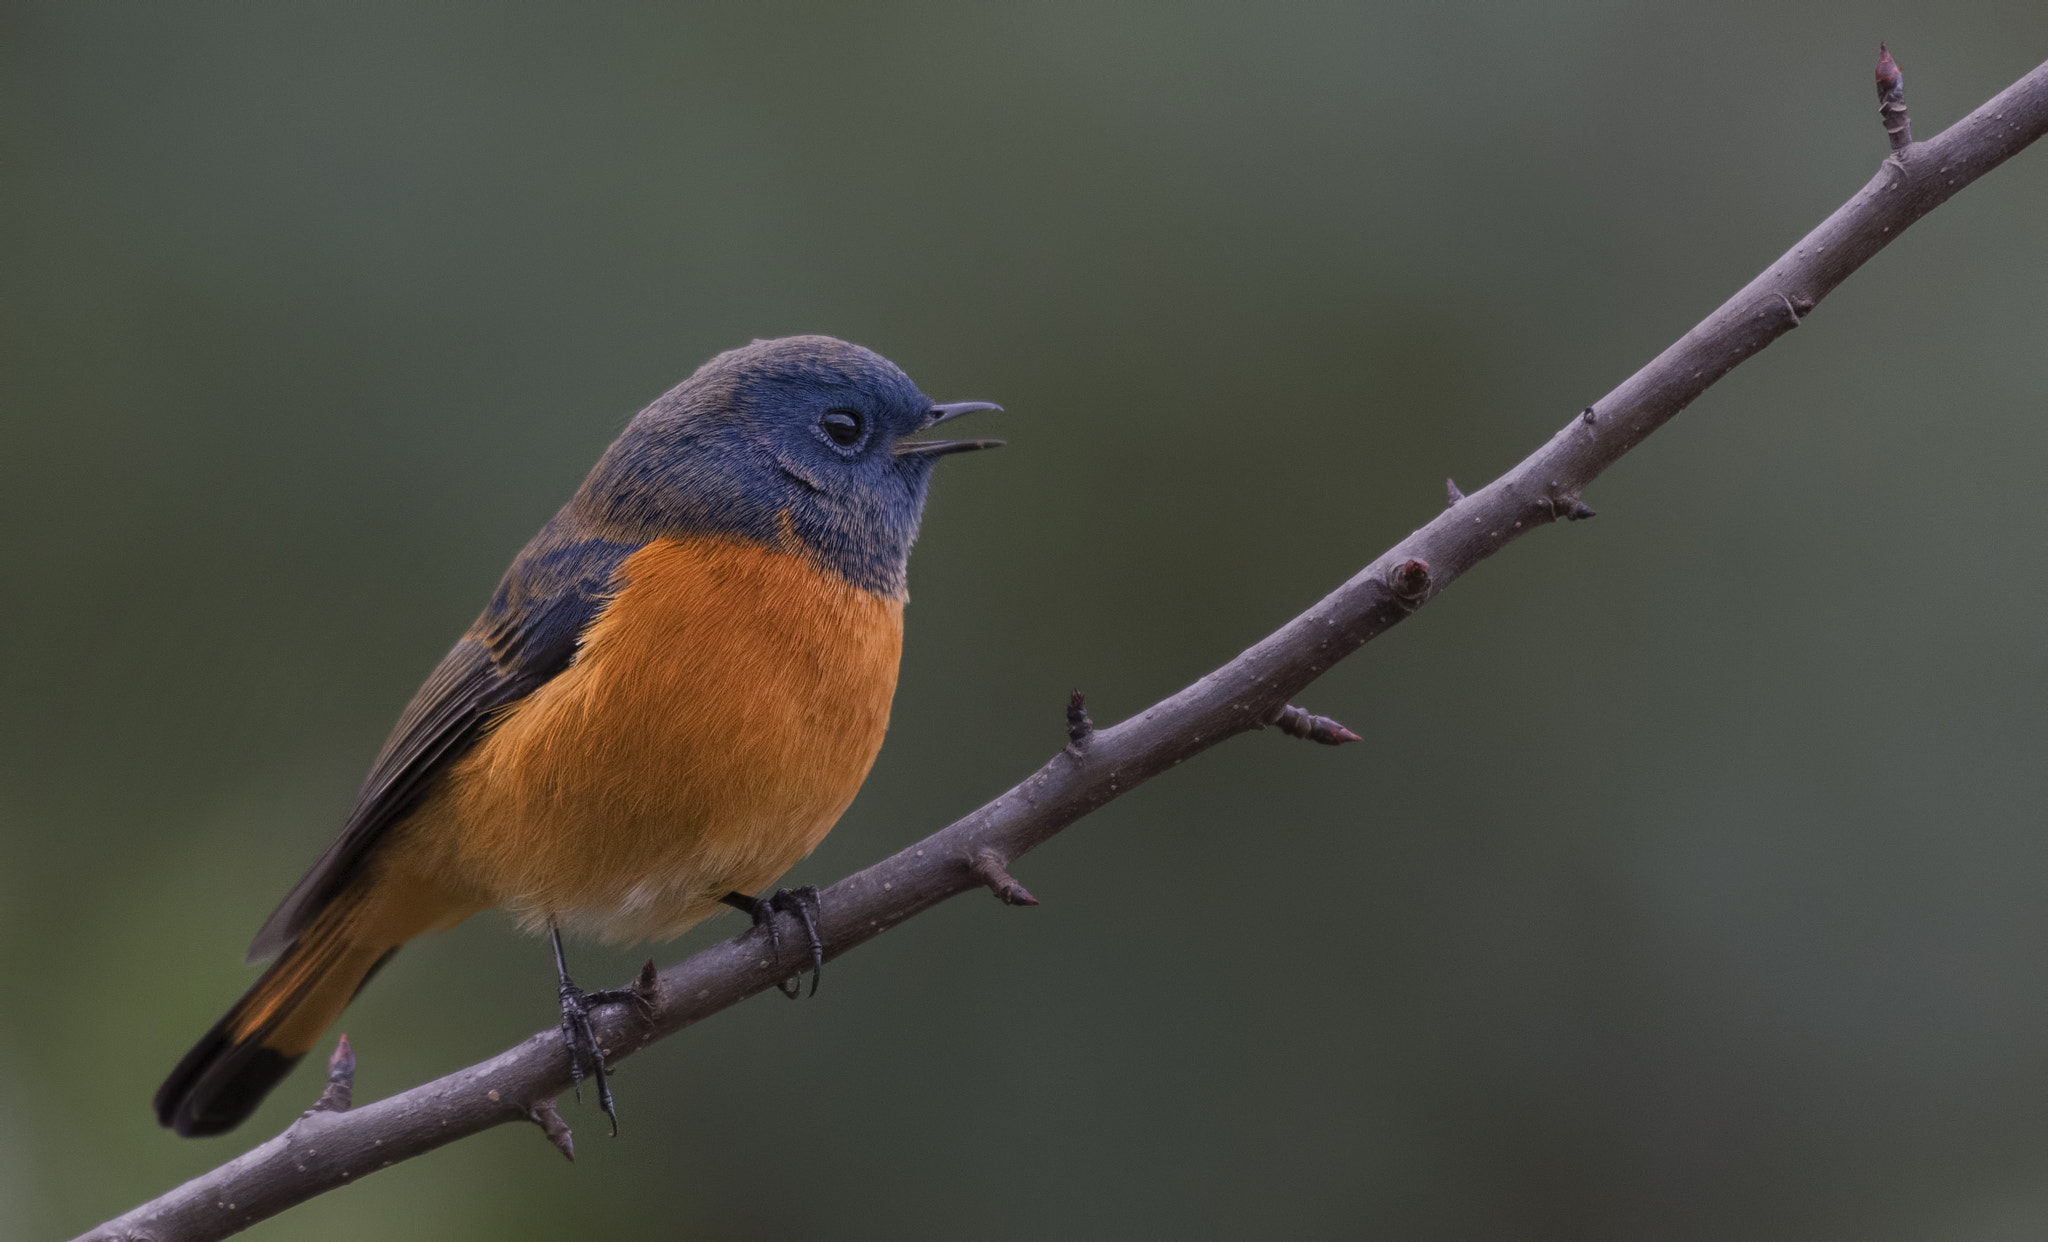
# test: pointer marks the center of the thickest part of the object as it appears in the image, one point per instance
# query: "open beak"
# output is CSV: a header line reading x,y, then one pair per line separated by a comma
x,y
939,448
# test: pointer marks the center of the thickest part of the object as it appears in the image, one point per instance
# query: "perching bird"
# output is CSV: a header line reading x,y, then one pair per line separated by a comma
x,y
673,694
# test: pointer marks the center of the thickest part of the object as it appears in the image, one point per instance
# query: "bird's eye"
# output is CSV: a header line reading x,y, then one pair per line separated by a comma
x,y
844,426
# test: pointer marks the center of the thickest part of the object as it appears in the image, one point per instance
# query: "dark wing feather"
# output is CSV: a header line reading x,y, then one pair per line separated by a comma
x,y
552,593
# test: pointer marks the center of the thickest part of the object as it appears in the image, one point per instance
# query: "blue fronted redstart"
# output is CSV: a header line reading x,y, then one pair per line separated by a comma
x,y
673,694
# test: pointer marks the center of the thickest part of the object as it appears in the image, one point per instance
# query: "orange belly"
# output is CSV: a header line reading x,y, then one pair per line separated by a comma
x,y
719,717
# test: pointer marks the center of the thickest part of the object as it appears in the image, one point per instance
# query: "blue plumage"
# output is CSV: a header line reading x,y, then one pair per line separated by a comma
x,y
736,449
583,753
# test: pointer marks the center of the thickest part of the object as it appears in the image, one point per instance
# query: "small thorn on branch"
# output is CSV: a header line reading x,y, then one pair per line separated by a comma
x,y
1300,722
1409,581
1078,724
988,867
1891,100
1589,415
1452,492
1572,509
551,1124
341,1080
648,986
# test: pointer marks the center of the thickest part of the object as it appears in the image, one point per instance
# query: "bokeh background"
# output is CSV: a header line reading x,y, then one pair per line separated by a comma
x,y
1691,880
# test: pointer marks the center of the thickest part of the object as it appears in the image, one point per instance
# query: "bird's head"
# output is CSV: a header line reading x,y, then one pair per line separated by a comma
x,y
806,439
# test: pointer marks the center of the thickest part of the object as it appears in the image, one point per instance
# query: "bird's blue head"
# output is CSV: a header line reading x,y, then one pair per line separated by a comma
x,y
806,438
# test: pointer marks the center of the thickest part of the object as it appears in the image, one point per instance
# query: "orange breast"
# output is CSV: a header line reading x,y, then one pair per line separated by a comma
x,y
719,718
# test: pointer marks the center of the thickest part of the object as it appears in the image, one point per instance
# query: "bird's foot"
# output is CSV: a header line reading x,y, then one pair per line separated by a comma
x,y
801,902
586,1055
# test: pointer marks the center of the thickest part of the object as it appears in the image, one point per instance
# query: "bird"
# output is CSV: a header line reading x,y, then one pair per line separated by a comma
x,y
673,694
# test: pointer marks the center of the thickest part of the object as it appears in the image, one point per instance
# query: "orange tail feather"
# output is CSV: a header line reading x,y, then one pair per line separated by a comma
x,y
229,1071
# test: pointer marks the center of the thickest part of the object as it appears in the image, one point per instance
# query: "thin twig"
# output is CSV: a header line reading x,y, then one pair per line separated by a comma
x,y
1306,725
341,1080
991,869
1891,100
1078,724
553,1128
325,1150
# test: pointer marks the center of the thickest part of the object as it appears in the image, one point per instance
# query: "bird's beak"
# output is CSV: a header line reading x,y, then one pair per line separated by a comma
x,y
939,448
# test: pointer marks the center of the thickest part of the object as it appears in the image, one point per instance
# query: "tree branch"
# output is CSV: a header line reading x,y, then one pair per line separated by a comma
x,y
325,1149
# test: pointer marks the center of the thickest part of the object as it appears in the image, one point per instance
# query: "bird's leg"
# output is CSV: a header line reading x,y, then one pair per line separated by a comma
x,y
577,1035
803,903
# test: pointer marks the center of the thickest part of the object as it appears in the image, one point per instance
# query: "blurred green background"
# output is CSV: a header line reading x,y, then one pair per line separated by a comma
x,y
1691,881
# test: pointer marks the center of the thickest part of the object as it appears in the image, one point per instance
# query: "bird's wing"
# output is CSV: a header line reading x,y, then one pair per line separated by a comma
x,y
529,633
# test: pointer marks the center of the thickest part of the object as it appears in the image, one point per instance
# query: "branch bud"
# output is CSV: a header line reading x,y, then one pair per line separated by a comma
x,y
1409,581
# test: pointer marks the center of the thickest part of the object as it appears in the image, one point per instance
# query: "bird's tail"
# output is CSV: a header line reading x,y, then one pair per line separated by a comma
x,y
229,1071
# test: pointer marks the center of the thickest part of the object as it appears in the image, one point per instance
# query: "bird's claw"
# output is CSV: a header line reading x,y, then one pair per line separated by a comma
x,y
584,1050
801,902
580,1038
